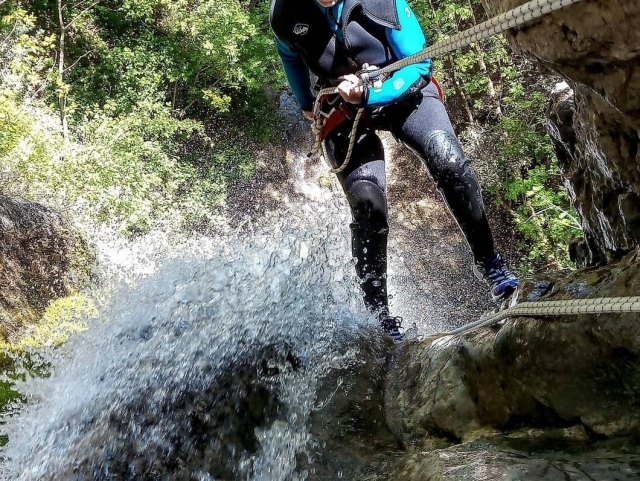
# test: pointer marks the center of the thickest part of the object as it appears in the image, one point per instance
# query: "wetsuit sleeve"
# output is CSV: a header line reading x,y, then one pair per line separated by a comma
x,y
297,75
407,40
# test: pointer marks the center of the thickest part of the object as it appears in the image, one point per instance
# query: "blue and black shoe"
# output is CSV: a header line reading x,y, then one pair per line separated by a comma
x,y
501,280
391,327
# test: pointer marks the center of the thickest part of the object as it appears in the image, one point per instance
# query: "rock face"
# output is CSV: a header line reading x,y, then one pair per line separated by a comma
x,y
506,458
550,373
36,252
595,46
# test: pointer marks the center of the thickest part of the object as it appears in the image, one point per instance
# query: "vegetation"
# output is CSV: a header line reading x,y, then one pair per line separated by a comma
x,y
115,105
138,111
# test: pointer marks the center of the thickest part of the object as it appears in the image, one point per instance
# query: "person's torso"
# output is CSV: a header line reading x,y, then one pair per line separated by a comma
x,y
307,28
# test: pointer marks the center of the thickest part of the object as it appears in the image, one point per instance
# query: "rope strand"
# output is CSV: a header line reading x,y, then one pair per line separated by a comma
x,y
568,307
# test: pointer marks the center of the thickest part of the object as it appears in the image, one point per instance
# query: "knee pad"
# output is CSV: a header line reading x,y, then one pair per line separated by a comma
x,y
445,158
368,203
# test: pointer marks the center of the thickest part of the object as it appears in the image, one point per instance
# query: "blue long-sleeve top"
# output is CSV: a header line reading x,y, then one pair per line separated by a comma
x,y
297,75
407,40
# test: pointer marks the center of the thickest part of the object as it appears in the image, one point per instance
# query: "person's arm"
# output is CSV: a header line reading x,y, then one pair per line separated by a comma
x,y
297,75
409,39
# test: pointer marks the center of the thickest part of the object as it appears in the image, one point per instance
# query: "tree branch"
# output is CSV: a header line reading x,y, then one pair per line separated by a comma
x,y
553,206
82,13
15,25
78,59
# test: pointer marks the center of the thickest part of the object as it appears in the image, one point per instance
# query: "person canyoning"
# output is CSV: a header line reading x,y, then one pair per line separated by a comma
x,y
335,39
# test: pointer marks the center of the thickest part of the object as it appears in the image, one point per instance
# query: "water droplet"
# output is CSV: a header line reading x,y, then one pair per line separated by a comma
x,y
376,283
304,251
364,250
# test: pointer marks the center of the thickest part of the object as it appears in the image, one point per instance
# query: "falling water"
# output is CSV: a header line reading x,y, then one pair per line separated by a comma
x,y
247,356
204,366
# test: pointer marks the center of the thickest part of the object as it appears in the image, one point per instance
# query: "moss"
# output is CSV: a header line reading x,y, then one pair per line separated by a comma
x,y
63,317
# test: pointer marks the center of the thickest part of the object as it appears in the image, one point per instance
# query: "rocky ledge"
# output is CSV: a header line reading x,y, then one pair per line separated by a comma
x,y
597,49
38,253
573,379
527,455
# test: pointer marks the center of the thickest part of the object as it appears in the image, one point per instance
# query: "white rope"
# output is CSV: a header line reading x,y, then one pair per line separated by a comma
x,y
318,125
568,307
511,19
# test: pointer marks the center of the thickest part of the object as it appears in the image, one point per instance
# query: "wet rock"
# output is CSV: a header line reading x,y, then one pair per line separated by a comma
x,y
206,427
594,46
351,437
629,209
210,429
551,372
503,457
40,261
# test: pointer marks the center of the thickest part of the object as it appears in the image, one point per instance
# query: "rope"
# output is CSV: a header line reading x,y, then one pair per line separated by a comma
x,y
570,307
511,19
318,125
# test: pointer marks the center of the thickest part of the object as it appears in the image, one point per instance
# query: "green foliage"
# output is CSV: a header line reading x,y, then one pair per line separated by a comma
x,y
530,180
12,124
62,318
144,83
507,101
18,365
25,53
202,58
127,170
522,130
543,215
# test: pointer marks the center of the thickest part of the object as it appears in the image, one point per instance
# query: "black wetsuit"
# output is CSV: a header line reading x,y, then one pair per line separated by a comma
x,y
417,118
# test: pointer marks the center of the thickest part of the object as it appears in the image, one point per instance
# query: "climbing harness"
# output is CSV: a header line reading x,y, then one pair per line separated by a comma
x,y
337,111
329,111
511,19
568,307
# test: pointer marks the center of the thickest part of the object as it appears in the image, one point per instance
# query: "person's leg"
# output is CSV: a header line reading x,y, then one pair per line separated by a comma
x,y
427,130
364,185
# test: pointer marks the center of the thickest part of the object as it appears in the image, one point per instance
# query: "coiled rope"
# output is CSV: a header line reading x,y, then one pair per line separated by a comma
x,y
568,307
513,18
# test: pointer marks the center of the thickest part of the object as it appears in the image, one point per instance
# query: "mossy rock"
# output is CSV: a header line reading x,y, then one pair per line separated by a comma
x,y
41,259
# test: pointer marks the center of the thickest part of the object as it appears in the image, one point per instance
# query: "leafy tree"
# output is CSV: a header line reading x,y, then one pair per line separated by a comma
x,y
140,88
